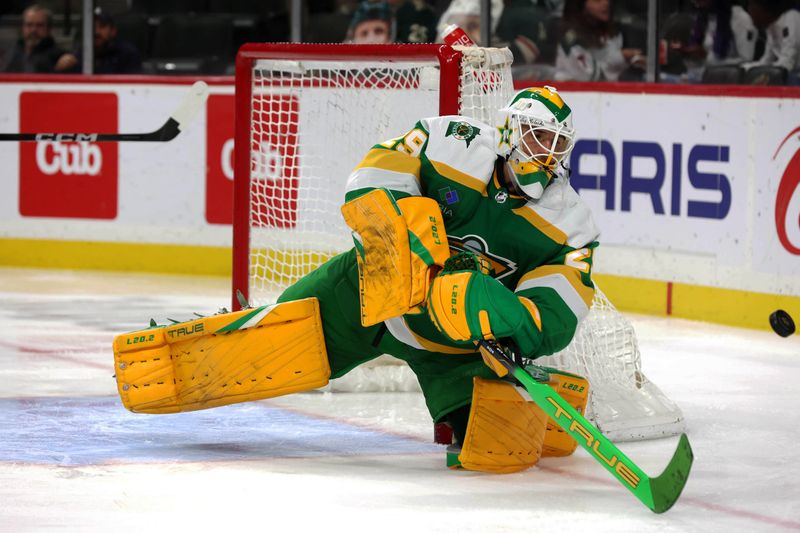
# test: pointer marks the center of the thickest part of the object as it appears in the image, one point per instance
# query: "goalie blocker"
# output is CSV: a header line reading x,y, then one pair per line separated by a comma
x,y
401,245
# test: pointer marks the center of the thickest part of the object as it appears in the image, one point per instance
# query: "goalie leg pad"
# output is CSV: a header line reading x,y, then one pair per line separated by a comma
x,y
400,244
505,432
222,359
574,389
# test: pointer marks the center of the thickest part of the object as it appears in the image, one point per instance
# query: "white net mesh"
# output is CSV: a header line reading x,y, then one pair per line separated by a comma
x,y
623,403
486,83
311,123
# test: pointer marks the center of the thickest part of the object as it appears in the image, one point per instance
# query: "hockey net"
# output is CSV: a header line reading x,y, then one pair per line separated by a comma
x,y
307,114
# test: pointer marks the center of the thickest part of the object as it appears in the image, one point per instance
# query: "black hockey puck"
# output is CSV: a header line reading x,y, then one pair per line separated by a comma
x,y
781,323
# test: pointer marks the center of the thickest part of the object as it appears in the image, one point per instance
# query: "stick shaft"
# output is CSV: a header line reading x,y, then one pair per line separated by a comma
x,y
167,132
176,123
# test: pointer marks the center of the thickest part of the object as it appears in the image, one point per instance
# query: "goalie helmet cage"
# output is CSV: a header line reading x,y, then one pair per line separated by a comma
x,y
305,116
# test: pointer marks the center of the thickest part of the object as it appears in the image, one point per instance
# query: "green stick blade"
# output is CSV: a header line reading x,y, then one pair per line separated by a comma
x,y
667,487
658,494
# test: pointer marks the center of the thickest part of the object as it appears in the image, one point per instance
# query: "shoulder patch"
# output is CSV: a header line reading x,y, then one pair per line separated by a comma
x,y
463,131
461,149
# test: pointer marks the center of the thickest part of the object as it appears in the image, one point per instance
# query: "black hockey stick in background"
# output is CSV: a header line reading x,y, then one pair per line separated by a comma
x,y
658,493
175,124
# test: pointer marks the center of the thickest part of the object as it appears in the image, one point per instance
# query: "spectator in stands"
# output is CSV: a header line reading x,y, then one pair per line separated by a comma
x,y
524,26
416,22
518,25
373,23
36,51
466,14
782,25
723,32
718,33
112,55
591,45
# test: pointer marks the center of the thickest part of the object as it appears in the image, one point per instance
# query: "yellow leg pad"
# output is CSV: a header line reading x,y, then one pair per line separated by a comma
x,y
222,359
504,432
574,389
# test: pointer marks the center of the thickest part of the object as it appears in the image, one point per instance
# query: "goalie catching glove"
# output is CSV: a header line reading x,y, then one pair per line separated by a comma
x,y
468,305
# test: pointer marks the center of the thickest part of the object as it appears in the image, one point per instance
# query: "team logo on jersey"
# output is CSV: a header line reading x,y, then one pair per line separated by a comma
x,y
501,197
463,131
500,266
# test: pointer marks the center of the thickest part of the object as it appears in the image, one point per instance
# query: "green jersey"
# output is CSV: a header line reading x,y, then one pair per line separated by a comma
x,y
541,250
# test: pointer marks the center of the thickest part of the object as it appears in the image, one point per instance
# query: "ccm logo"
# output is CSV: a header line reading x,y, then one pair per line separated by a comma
x,y
74,158
89,137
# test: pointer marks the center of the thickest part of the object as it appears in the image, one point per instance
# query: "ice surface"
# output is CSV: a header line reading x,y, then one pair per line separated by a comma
x,y
71,458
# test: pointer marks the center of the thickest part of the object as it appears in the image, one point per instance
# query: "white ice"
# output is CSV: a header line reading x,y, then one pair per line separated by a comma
x,y
72,459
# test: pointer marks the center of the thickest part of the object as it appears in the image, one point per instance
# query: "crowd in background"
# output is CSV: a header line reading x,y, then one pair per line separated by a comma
x,y
702,41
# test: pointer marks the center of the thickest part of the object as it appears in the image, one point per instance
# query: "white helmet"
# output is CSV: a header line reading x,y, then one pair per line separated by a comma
x,y
536,136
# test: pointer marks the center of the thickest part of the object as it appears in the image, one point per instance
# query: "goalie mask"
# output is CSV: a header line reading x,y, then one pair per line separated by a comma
x,y
536,137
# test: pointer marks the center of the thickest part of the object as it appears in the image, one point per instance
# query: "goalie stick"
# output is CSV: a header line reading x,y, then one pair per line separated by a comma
x,y
657,493
176,123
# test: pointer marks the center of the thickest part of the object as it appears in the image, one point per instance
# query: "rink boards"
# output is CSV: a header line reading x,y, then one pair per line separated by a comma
x,y
697,193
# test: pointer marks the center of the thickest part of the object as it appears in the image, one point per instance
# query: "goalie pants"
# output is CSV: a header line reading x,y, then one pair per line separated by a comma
x,y
445,379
